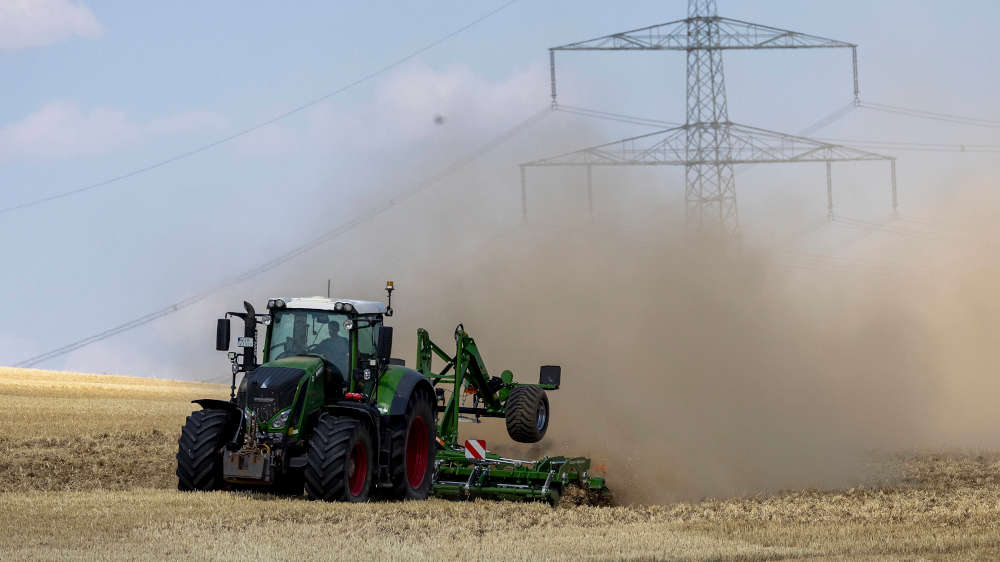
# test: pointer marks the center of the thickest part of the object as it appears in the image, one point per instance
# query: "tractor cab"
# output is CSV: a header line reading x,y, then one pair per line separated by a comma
x,y
344,334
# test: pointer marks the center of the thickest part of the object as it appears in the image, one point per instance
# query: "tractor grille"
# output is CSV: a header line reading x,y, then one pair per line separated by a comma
x,y
270,390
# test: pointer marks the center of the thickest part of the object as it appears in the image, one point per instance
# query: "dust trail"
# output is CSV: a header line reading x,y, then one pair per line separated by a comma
x,y
689,370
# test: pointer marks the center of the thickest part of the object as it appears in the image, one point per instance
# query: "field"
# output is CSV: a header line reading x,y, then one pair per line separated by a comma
x,y
86,471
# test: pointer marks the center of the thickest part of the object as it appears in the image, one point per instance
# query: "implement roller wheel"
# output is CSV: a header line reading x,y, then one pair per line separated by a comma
x,y
199,451
527,414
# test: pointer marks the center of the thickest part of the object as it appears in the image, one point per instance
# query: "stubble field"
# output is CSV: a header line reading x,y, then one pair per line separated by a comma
x,y
86,471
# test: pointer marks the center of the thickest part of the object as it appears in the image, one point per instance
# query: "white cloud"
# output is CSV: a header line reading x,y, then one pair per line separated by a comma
x,y
187,122
417,93
35,23
407,103
401,113
62,129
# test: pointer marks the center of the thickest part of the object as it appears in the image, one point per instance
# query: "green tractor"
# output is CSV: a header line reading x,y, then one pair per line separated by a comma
x,y
330,413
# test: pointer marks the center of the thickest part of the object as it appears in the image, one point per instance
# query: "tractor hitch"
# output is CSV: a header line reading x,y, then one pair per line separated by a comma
x,y
252,467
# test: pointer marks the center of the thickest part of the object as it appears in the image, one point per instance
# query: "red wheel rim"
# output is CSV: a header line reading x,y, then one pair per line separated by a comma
x,y
417,446
359,468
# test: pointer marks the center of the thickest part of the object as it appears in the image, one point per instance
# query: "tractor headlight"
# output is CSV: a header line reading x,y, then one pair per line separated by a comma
x,y
348,324
281,419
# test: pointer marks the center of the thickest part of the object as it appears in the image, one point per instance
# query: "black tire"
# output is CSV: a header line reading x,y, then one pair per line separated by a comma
x,y
199,450
527,414
414,440
337,450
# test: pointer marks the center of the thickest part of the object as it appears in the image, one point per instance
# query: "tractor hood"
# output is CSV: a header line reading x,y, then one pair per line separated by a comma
x,y
270,388
307,363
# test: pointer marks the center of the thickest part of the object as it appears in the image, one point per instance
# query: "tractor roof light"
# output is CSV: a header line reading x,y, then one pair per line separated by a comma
x,y
275,303
389,286
339,307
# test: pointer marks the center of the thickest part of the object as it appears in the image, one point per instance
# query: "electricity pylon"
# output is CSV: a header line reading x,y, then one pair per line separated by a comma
x,y
708,144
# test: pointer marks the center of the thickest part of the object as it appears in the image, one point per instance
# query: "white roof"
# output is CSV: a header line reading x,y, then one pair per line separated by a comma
x,y
323,303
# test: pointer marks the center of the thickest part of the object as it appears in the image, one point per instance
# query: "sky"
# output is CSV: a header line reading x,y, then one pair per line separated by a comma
x,y
95,89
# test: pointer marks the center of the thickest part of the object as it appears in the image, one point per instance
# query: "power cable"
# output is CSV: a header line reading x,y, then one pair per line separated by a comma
x,y
931,115
833,117
619,117
260,124
297,251
882,227
916,146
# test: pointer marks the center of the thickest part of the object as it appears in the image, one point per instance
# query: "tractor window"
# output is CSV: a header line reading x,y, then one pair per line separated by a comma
x,y
366,340
299,332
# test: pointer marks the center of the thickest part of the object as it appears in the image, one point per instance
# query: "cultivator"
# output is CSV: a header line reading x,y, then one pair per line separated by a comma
x,y
473,472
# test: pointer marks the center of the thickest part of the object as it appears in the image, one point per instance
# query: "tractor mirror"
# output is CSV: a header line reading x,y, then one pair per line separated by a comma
x,y
222,335
384,343
550,374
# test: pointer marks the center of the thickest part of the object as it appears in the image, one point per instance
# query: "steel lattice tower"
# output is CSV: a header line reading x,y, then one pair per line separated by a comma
x,y
708,144
709,185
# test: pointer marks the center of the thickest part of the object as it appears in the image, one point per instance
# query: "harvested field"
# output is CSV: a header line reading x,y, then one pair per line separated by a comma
x,y
87,472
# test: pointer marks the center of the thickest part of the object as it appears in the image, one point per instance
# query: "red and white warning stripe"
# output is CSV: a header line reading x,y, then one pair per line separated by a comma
x,y
475,449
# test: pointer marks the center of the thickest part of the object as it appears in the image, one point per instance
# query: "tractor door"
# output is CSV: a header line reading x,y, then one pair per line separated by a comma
x,y
366,336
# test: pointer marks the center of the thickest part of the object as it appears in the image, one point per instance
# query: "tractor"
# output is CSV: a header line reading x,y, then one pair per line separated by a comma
x,y
329,412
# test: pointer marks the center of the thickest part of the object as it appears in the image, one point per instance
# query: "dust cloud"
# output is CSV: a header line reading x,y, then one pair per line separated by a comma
x,y
690,369
693,371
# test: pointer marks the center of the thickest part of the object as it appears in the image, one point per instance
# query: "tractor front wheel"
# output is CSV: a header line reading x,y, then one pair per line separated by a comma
x,y
341,461
199,458
414,436
527,414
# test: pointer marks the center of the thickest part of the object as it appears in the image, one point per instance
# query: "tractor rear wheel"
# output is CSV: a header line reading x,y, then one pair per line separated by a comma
x,y
527,414
340,463
413,442
199,458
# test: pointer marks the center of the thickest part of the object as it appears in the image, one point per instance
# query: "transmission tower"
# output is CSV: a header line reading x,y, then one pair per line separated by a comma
x,y
708,145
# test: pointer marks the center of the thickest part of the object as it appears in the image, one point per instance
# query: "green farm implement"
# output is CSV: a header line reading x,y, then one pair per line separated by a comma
x,y
327,411
470,471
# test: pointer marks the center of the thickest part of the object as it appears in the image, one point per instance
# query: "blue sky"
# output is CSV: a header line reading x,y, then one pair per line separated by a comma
x,y
96,88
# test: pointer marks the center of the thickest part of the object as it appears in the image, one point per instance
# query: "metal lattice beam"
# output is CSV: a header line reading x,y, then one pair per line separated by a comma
x,y
733,35
750,145
746,145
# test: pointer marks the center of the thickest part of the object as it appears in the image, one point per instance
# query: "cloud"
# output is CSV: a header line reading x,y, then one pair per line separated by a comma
x,y
35,23
404,110
413,104
416,93
187,122
61,129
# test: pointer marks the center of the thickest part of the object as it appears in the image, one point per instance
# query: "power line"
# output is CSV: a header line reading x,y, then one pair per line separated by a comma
x,y
619,117
834,116
299,250
916,146
260,124
931,115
